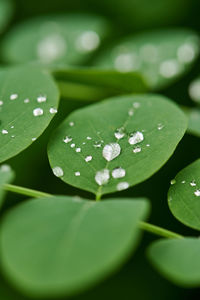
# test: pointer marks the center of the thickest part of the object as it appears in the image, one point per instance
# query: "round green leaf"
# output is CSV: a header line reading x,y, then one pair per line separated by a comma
x,y
78,145
28,102
161,55
6,176
93,84
183,196
69,38
62,245
6,8
178,260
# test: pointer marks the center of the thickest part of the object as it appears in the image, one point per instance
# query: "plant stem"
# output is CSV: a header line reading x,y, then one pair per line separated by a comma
x,y
159,231
98,197
24,191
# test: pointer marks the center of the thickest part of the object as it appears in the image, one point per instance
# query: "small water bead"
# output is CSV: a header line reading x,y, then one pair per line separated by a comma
x,y
135,138
137,149
88,158
12,126
197,193
88,41
58,172
147,145
77,173
160,126
53,110
122,186
12,136
97,144
111,151
183,181
83,143
5,168
26,100
119,133
4,131
71,124
38,112
34,139
194,90
131,112
102,177
13,96
169,68
118,173
1,103
78,149
173,181
67,139
41,99
193,183
136,104
72,145
88,138
186,53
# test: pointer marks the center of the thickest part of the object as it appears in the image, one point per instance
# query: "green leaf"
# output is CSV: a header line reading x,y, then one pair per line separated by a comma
x,y
24,93
6,176
79,148
161,55
93,84
178,260
62,245
6,9
66,38
183,196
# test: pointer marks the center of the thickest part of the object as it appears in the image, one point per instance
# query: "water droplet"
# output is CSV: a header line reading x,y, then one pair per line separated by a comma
x,y
4,131
26,100
77,173
38,112
12,136
194,90
97,144
111,151
58,172
88,158
160,126
13,96
102,177
5,168
78,149
122,186
137,149
186,53
53,110
88,41
136,104
41,99
197,193
173,181
72,145
183,181
88,138
33,139
193,183
148,145
67,139
131,112
118,173
169,68
12,126
135,138
119,133
1,103
71,124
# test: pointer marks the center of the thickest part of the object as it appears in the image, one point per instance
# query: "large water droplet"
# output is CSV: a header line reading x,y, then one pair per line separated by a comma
x,y
197,193
58,172
119,133
135,138
118,173
102,177
111,151
38,112
122,186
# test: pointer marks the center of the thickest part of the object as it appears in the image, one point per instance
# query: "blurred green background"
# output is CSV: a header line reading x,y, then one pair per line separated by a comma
x,y
137,279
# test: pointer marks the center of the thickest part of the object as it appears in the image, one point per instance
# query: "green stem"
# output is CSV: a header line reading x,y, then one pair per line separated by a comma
x,y
98,197
24,191
159,231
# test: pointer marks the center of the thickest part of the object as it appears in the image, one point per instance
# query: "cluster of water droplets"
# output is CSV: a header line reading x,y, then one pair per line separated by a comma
x,y
192,183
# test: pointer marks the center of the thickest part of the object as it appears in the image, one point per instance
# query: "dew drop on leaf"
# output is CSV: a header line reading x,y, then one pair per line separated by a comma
x,y
119,133
135,138
111,151
197,193
122,186
102,177
38,112
58,171
118,173
88,158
